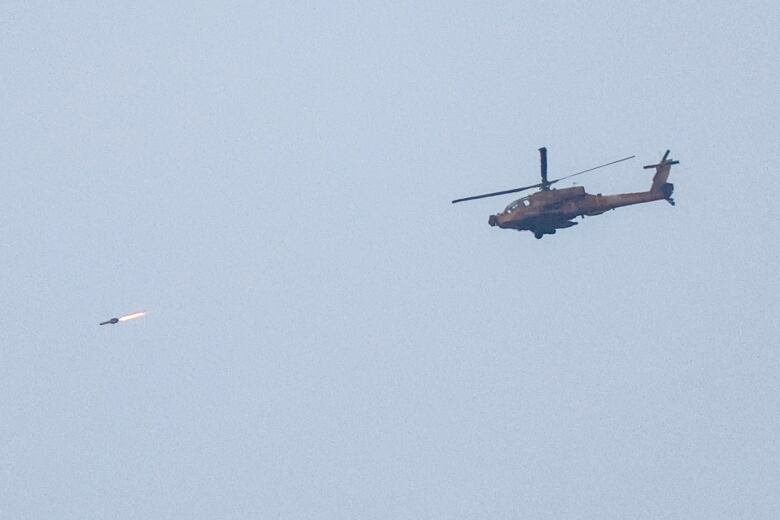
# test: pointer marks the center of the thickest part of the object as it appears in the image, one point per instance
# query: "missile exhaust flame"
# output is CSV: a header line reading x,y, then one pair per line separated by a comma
x,y
132,316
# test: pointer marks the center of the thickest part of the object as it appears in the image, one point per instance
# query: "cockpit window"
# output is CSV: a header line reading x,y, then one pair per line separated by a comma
x,y
525,202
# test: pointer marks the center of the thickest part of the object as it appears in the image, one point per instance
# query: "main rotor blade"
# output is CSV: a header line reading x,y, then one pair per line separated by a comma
x,y
505,192
591,169
543,157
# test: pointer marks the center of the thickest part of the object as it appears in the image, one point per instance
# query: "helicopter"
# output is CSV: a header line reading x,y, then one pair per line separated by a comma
x,y
548,210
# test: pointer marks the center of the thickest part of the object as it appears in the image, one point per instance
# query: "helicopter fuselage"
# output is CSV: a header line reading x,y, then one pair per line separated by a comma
x,y
546,211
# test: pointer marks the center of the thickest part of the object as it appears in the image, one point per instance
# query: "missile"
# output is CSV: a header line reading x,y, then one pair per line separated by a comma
x,y
126,317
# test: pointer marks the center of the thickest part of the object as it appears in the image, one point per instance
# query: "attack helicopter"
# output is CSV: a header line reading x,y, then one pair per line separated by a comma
x,y
548,210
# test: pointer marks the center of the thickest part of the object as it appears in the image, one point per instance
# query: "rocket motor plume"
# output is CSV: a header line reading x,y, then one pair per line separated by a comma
x,y
132,316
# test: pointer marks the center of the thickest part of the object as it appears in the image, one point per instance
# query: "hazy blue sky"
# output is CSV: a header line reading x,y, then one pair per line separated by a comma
x,y
328,336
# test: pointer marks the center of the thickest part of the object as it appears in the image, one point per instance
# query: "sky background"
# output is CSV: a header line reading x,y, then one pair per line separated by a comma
x,y
329,337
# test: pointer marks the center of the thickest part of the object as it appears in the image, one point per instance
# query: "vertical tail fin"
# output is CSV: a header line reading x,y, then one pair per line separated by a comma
x,y
661,172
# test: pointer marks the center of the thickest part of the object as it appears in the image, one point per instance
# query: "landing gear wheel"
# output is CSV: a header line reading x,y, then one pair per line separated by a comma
x,y
538,235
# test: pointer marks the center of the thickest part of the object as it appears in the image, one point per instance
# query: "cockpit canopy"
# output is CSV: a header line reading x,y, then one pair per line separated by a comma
x,y
525,202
